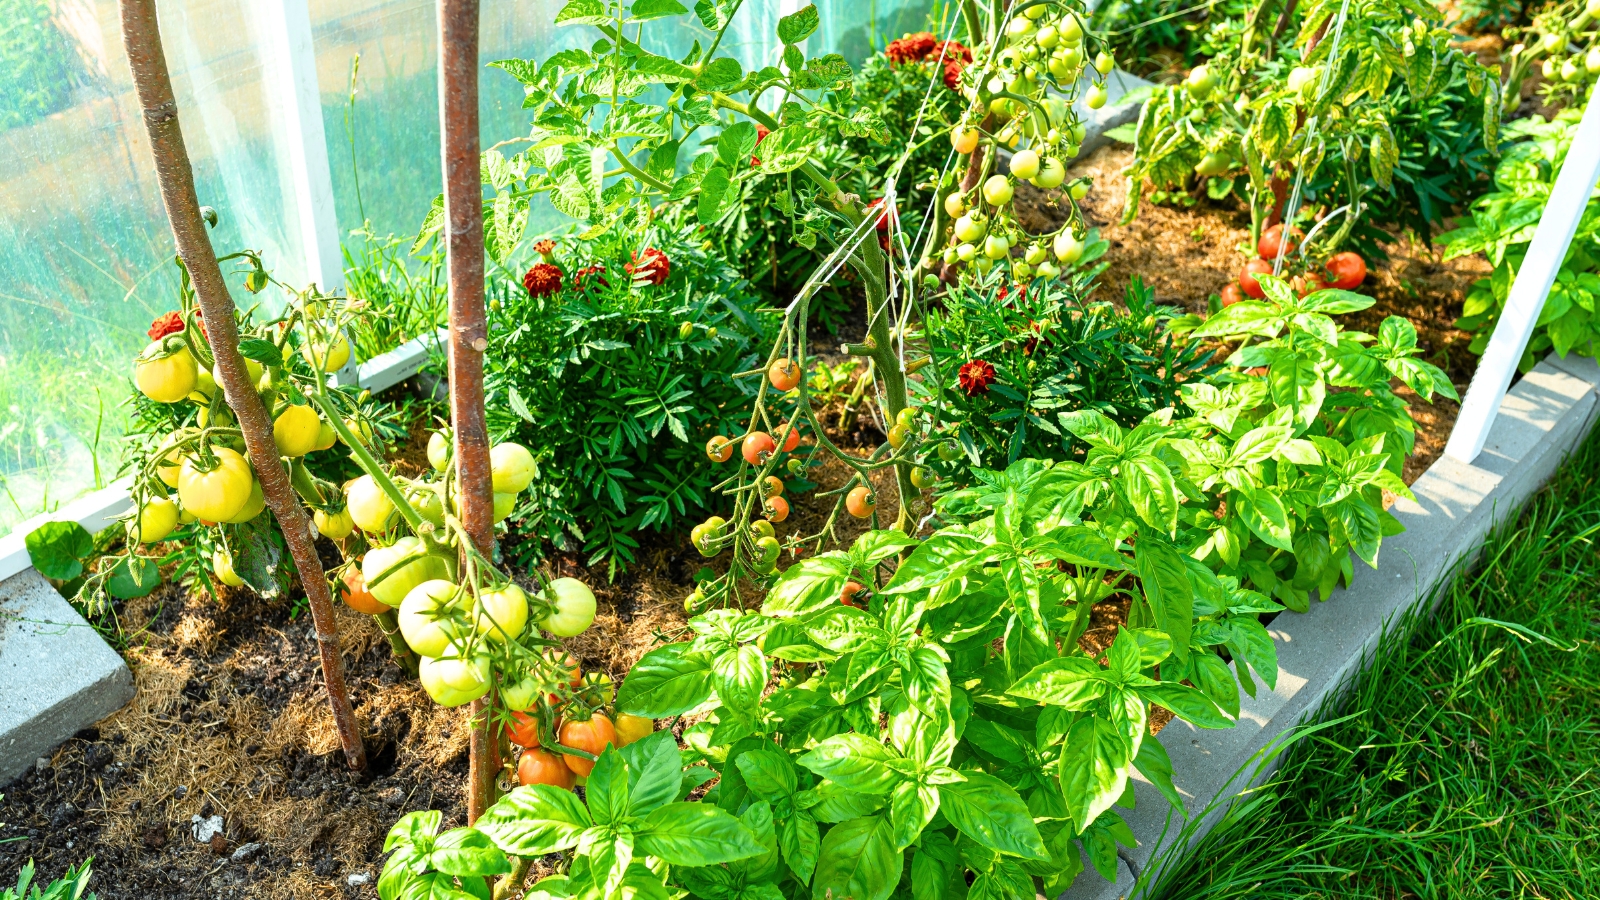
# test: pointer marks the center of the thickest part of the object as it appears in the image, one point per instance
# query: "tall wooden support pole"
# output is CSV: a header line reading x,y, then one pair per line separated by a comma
x,y
141,34
469,329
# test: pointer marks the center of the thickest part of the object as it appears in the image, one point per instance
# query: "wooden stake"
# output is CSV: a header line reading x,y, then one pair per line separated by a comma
x,y
141,34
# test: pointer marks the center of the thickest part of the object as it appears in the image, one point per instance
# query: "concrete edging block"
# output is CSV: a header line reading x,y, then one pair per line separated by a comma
x,y
59,676
1548,413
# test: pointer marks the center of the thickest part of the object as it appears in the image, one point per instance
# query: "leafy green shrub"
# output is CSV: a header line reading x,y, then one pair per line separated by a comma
x,y
1149,34
1053,352
615,385
40,69
1502,226
408,303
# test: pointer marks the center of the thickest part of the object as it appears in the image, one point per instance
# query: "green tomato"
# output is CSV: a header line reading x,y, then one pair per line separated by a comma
x,y
922,477
572,608
996,247
512,467
997,190
157,518
370,508
1095,97
1047,37
501,614
222,567
1035,254
1079,189
966,252
427,502
1048,269
429,615
391,572
520,695
1025,164
1103,62
439,678
971,226
1051,173
1213,164
949,451
439,450
333,526
761,528
1070,29
1067,247
767,550
504,505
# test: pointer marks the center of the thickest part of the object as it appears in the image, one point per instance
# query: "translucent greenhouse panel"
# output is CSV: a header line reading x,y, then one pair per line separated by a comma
x,y
85,250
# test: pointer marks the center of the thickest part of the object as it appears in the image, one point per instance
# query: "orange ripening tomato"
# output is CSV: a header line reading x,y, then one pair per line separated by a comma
x,y
524,730
776,508
860,502
543,767
1231,294
355,595
719,449
847,596
791,437
758,447
772,486
784,374
633,728
591,736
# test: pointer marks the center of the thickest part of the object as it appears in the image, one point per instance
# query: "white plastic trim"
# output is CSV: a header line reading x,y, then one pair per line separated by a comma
x,y
1557,224
103,508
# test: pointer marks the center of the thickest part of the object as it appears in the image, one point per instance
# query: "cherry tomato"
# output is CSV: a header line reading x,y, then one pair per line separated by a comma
x,y
1247,277
543,767
719,448
784,374
296,430
633,728
370,508
1308,283
767,550
772,486
791,437
439,451
1348,270
591,736
758,446
965,141
906,417
847,596
219,494
355,595
164,379
898,435
922,477
860,502
523,731
1232,293
1272,243
776,508
512,468
573,607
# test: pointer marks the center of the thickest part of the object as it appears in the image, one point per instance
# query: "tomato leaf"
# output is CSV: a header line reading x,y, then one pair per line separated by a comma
x,y
794,28
990,812
262,351
667,681
535,820
694,834
57,549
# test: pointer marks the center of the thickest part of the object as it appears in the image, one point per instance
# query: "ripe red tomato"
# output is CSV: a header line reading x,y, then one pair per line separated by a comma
x,y
1308,283
543,767
1348,270
1272,243
524,730
719,449
860,502
591,736
1232,293
776,508
1247,277
758,447
791,437
784,374
847,596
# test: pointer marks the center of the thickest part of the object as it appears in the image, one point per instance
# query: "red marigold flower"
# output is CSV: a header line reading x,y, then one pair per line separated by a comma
x,y
165,324
911,48
597,270
544,248
543,279
761,134
975,377
956,59
653,269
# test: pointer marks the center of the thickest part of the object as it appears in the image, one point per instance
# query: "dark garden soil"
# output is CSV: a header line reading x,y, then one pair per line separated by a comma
x,y
230,719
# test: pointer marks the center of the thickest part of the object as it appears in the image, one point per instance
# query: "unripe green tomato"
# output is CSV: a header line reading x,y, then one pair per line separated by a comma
x,y
898,435
971,226
1103,62
1048,269
1079,189
966,252
573,608
520,695
501,614
1550,69
1551,41
168,379
1070,29
438,451
1592,60
930,282
438,677
1047,37
1051,173
222,567
1095,97
391,572
1059,68
428,615
954,206
1035,11
983,264
1593,9
950,257
1071,56
691,603
512,468
333,526
1019,27
1025,164
922,477
428,502
767,550
949,451
1300,76
504,506
906,417
1571,70
1079,132
1021,270
1213,164
997,190
370,508
1068,248
995,247
1035,254
761,528
156,519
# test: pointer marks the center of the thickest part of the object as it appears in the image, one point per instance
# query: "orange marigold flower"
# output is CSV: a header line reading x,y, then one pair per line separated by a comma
x,y
911,48
582,275
544,248
542,280
653,268
975,377
165,324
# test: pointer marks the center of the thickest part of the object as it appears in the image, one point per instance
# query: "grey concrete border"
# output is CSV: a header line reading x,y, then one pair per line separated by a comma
x,y
1548,413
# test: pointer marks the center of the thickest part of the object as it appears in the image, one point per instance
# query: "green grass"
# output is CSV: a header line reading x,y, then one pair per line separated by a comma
x,y
1470,764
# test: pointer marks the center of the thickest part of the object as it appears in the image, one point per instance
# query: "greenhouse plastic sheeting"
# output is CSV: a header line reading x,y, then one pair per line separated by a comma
x,y
85,251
